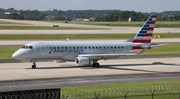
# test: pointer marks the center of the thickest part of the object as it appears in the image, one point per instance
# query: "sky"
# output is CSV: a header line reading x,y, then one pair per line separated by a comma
x,y
131,5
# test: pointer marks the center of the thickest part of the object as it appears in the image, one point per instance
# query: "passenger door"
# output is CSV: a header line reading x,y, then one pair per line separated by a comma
x,y
43,48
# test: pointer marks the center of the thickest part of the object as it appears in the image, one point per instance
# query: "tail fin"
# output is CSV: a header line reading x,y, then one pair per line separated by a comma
x,y
146,32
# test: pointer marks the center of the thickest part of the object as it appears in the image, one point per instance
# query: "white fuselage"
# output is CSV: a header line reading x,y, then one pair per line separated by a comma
x,y
68,51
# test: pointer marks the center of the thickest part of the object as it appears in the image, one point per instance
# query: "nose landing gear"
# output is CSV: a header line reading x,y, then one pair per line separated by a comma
x,y
34,65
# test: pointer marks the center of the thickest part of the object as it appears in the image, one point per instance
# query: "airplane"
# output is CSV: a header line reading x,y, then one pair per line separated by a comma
x,y
88,53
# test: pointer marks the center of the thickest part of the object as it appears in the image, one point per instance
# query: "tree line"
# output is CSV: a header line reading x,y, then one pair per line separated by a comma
x,y
98,15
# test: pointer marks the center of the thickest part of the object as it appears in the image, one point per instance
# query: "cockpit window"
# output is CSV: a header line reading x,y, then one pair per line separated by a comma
x,y
30,47
27,47
23,47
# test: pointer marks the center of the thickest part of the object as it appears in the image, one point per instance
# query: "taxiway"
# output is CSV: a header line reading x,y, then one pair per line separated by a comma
x,y
110,29
49,73
16,71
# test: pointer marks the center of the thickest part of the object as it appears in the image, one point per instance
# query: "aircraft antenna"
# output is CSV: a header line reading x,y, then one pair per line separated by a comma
x,y
67,39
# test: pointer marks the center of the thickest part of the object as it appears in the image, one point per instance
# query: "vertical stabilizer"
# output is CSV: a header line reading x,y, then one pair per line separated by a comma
x,y
146,32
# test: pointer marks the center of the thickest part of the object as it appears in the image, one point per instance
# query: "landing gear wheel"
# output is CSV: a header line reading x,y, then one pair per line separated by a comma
x,y
33,66
96,65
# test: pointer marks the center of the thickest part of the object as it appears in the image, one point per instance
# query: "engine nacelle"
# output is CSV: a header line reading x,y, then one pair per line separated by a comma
x,y
82,61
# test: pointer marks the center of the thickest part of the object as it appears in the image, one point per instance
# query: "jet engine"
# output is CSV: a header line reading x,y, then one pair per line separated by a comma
x,y
82,61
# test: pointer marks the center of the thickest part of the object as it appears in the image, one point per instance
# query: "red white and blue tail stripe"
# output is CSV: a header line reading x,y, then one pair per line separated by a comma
x,y
146,32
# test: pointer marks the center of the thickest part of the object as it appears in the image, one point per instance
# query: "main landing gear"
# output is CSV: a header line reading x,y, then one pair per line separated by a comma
x,y
34,64
95,64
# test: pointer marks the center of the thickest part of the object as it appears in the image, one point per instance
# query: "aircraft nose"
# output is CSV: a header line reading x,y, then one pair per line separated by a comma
x,y
16,55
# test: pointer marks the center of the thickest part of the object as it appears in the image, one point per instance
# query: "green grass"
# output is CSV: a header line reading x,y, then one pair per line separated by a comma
x,y
140,90
6,22
76,36
166,35
7,51
46,28
172,24
62,36
170,49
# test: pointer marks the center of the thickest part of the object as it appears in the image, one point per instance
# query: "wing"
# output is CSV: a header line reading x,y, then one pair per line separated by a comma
x,y
104,56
